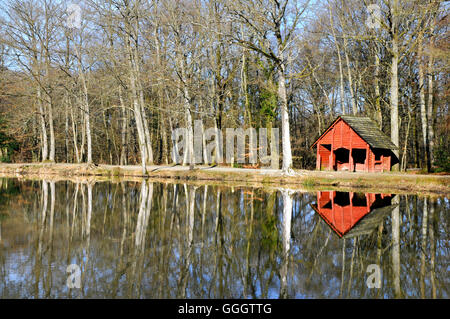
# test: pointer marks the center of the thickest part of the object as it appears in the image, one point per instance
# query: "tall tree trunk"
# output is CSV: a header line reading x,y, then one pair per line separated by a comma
x,y
44,144
51,156
325,94
394,81
347,60
423,110
416,141
350,79
87,120
84,103
123,131
430,101
137,98
341,73
190,131
164,153
285,131
48,99
139,125
66,128
75,135
189,151
148,141
379,114
134,48
137,108
83,127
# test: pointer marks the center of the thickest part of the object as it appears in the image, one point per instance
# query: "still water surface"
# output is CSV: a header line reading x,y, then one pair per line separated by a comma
x,y
161,240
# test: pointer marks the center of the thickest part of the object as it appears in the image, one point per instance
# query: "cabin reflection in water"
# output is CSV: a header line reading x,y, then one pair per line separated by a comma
x,y
352,214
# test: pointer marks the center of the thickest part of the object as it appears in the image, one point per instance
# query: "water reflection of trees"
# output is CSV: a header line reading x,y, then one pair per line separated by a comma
x,y
157,240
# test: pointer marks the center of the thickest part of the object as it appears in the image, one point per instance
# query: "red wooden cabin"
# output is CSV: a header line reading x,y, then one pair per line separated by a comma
x,y
342,211
354,144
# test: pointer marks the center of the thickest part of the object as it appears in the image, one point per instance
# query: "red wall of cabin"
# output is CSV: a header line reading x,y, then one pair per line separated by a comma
x,y
341,135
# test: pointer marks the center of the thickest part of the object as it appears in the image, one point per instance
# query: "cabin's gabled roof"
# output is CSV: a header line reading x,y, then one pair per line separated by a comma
x,y
370,222
366,129
369,131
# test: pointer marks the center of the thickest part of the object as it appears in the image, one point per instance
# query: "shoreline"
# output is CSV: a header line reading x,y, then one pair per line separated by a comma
x,y
389,182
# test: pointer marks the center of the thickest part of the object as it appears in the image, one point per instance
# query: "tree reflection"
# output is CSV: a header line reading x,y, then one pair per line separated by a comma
x,y
160,240
286,241
395,221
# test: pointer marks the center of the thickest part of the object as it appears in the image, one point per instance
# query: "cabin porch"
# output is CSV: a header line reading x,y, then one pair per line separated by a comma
x,y
353,160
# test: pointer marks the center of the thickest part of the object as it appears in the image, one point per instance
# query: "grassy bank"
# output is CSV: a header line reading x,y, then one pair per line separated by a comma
x,y
302,179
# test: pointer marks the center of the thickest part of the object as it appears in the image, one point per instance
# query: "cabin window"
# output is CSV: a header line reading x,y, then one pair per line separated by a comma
x,y
378,155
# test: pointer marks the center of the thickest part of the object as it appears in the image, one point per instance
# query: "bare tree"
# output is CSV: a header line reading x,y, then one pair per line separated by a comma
x,y
277,21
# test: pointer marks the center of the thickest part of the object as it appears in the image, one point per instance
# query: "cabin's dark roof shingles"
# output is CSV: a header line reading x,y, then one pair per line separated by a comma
x,y
369,131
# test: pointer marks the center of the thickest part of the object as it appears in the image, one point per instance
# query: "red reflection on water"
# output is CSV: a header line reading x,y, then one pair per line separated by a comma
x,y
343,210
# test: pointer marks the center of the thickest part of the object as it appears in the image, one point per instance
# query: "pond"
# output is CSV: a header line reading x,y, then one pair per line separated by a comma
x,y
164,240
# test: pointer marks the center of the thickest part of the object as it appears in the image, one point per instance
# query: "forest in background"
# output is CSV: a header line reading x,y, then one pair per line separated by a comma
x,y
112,89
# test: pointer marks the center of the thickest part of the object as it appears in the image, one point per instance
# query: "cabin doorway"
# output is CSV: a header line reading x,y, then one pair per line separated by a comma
x,y
342,199
342,159
359,159
359,200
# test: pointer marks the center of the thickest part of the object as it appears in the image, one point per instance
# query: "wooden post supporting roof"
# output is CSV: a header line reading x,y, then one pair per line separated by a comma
x,y
331,162
318,157
366,164
350,155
